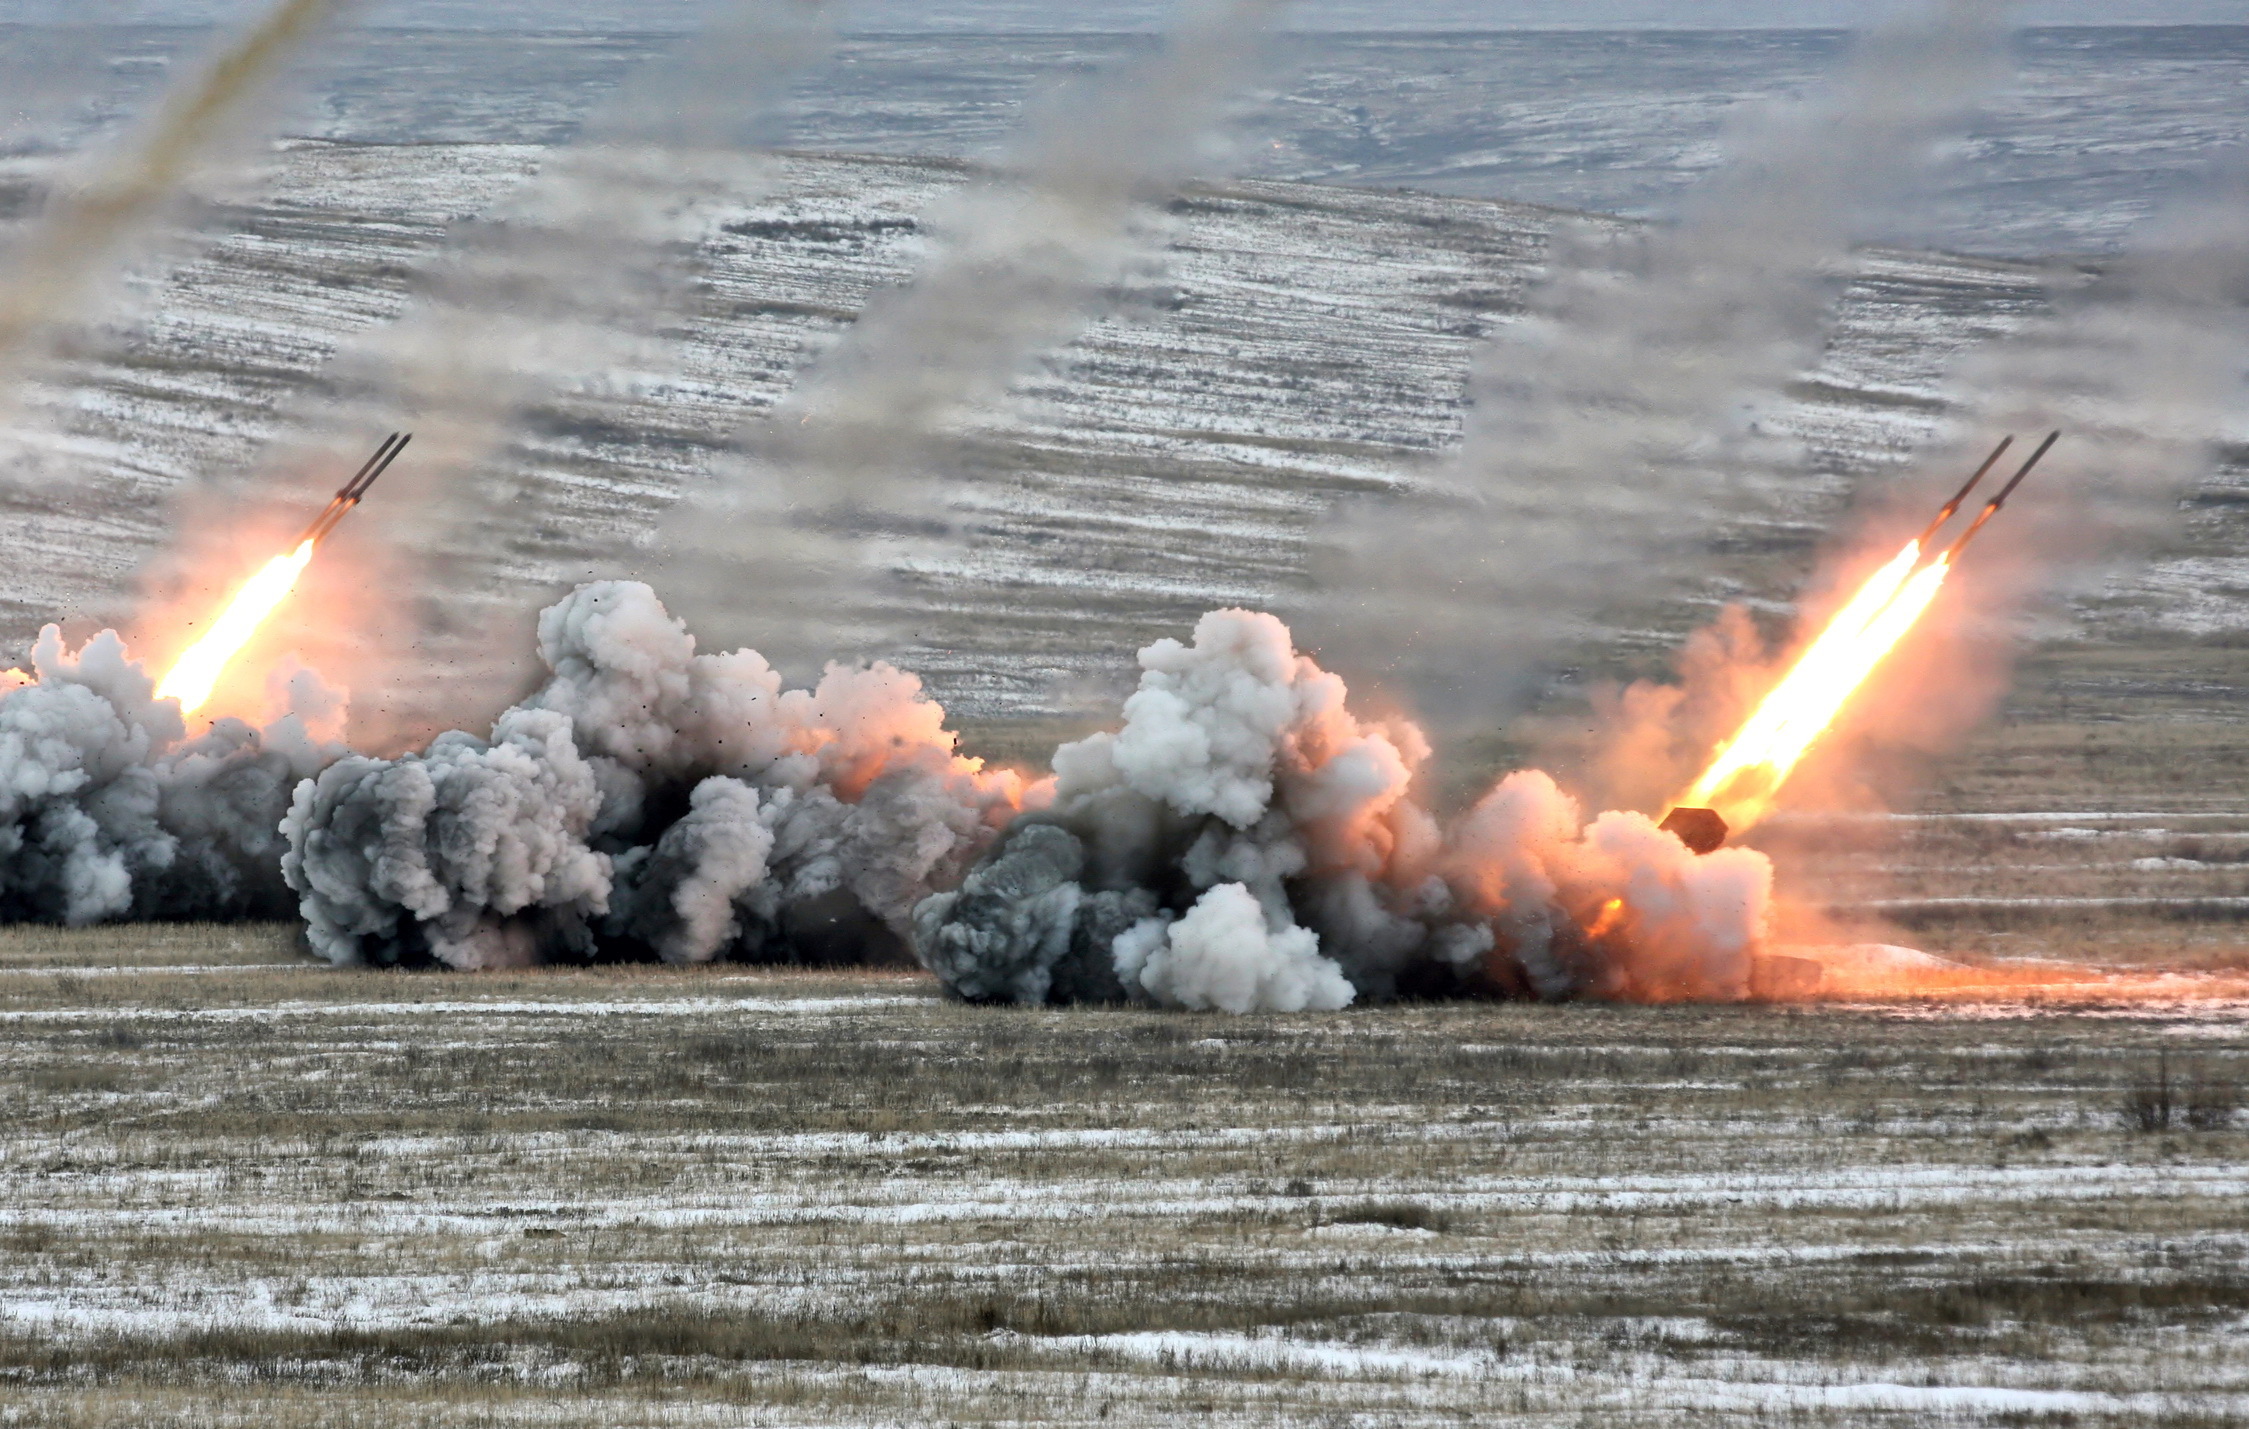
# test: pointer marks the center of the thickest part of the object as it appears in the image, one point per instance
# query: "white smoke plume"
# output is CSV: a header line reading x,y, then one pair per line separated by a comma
x,y
109,812
846,467
648,801
1611,425
1222,955
1245,843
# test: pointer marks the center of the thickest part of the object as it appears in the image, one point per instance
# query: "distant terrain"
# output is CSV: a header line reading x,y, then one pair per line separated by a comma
x,y
2096,127
237,1188
1292,345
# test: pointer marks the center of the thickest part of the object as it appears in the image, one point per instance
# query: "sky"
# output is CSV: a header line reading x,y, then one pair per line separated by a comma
x,y
623,15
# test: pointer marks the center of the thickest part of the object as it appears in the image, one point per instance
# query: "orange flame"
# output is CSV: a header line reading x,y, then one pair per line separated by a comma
x,y
1750,768
1612,913
196,671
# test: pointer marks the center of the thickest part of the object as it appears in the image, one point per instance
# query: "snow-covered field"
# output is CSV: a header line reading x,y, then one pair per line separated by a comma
x,y
1285,346
300,1196
238,1189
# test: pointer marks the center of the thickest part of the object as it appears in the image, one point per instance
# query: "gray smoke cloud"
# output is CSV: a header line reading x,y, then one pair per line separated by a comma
x,y
648,801
845,475
564,285
2142,367
1245,843
1613,424
109,812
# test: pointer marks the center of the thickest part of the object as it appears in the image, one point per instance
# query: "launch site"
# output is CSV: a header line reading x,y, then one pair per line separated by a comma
x,y
984,712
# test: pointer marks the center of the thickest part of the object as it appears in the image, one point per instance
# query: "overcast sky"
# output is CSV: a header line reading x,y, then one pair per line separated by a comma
x,y
1140,14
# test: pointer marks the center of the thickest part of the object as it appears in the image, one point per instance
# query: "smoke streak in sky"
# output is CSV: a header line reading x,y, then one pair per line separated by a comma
x,y
2144,370
87,231
1609,424
564,284
851,457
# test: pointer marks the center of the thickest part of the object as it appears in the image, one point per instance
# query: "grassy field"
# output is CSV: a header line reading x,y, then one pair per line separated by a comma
x,y
239,1188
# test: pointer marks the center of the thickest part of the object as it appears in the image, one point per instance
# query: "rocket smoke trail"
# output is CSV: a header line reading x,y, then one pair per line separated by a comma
x,y
847,460
1588,472
86,232
563,284
2145,367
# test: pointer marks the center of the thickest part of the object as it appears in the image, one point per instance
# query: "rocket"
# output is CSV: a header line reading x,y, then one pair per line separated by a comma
x,y
1952,507
1704,830
354,490
1991,508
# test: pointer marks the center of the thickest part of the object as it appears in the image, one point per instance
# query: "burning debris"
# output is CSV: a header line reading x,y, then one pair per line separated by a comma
x,y
1244,842
648,802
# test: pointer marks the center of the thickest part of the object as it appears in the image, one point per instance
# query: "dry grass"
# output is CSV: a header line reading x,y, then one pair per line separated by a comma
x,y
238,1188
297,1197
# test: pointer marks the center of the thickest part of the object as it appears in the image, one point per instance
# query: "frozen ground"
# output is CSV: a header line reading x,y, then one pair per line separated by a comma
x,y
1288,345
297,1196
2097,125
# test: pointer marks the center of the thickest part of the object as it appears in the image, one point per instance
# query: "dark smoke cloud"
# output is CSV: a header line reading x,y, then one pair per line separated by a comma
x,y
109,812
648,801
1245,843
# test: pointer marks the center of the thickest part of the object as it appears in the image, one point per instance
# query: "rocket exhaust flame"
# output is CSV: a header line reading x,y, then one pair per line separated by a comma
x,y
191,677
194,675
1749,770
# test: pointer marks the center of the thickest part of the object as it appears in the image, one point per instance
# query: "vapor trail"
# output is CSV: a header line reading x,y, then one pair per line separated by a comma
x,y
85,232
850,459
1610,423
565,282
2144,368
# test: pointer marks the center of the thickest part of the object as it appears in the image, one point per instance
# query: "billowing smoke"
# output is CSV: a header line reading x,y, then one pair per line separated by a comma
x,y
843,471
109,812
1245,842
1613,424
648,801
